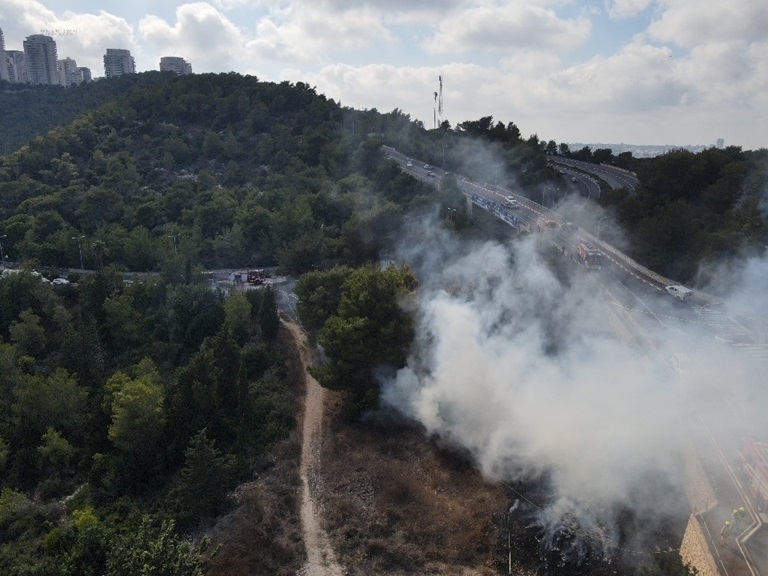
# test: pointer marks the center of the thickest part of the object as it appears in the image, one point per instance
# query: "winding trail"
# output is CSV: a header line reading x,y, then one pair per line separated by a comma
x,y
321,560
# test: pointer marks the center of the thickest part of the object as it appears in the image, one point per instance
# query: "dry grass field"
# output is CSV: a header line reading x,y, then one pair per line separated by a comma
x,y
395,503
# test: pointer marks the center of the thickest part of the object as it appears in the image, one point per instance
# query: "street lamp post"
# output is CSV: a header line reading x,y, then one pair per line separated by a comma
x,y
174,237
599,222
80,249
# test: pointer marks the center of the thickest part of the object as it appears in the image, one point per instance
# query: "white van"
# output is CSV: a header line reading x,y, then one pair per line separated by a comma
x,y
679,292
510,202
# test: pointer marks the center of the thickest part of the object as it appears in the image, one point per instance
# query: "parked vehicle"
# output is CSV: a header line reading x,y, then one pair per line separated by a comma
x,y
256,276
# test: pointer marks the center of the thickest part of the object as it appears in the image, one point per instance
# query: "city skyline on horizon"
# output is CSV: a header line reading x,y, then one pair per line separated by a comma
x,y
39,63
642,71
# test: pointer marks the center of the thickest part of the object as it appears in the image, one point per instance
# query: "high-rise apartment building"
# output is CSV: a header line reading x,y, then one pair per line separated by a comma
x,y
17,66
69,73
118,62
175,64
85,74
4,75
40,55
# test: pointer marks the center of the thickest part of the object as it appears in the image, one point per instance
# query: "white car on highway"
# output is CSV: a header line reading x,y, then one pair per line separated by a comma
x,y
680,292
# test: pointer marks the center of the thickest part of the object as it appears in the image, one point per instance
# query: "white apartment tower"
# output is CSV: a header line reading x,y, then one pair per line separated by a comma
x,y
4,73
175,64
118,62
40,56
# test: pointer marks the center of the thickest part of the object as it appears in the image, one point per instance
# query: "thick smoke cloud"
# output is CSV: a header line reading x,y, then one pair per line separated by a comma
x,y
528,368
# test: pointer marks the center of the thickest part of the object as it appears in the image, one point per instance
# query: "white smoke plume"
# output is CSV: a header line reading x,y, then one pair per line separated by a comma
x,y
522,366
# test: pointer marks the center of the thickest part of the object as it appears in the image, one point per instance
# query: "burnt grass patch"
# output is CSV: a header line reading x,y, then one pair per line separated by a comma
x,y
621,541
396,502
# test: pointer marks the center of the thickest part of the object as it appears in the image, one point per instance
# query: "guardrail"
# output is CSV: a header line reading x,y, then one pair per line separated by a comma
x,y
497,210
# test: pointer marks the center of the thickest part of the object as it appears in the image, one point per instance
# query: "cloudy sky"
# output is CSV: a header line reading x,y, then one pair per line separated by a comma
x,y
598,71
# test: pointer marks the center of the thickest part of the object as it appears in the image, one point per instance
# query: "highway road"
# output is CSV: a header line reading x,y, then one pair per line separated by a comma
x,y
710,315
586,184
615,177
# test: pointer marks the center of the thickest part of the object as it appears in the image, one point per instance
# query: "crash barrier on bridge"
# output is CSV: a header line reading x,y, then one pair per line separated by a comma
x,y
496,209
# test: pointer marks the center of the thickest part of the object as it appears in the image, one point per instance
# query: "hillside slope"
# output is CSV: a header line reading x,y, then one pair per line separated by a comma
x,y
34,110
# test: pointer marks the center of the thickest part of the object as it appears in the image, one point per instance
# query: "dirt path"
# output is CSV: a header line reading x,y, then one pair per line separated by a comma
x,y
321,560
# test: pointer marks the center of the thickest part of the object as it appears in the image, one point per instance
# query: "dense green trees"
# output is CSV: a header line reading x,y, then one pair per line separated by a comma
x,y
369,327
134,395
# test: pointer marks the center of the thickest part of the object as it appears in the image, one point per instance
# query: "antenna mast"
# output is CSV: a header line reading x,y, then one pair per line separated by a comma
x,y
440,101
434,113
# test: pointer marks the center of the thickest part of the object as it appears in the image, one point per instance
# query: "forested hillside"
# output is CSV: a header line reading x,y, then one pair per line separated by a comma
x,y
220,169
129,410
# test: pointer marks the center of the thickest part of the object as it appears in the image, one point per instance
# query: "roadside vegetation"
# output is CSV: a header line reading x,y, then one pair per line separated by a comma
x,y
689,208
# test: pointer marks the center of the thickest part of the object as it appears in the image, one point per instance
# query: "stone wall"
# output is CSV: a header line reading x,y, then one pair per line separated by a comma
x,y
695,550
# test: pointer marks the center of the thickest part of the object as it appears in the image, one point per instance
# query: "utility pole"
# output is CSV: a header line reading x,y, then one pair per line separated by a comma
x,y
80,249
2,254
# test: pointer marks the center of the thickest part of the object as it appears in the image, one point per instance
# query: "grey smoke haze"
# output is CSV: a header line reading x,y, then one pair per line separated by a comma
x,y
523,368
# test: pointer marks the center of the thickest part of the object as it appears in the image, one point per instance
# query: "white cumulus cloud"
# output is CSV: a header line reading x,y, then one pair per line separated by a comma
x,y
202,35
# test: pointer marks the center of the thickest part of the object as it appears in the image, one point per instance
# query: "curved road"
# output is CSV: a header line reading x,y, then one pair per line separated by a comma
x,y
615,177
